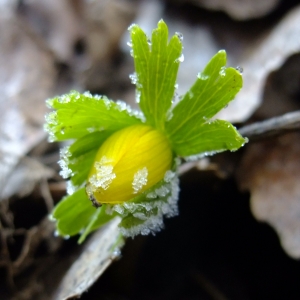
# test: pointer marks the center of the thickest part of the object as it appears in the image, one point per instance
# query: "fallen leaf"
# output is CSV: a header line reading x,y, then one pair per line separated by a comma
x,y
271,171
97,254
22,181
264,57
27,77
240,10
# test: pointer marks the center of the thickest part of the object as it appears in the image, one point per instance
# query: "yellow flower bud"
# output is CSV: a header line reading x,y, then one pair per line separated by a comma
x,y
128,163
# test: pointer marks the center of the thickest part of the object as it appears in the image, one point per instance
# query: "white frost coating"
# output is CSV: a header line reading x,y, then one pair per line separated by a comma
x,y
64,162
179,35
122,106
140,178
71,188
137,96
222,72
162,191
201,155
169,176
133,78
202,76
157,204
180,58
151,225
131,26
104,175
51,118
151,195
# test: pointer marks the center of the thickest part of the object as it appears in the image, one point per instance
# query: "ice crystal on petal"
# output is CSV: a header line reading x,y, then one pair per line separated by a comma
x,y
139,180
104,175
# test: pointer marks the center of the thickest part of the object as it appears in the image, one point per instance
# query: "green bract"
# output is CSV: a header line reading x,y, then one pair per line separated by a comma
x,y
125,161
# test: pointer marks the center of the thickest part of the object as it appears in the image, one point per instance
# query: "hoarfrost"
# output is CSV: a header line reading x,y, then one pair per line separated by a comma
x,y
179,35
104,174
169,115
180,58
151,225
202,76
64,98
151,195
64,162
131,26
160,202
239,69
51,118
133,78
222,72
71,188
162,191
201,155
137,96
122,106
87,94
169,176
139,180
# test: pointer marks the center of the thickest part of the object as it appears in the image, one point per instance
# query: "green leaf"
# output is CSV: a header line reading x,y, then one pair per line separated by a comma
x,y
214,88
79,114
98,219
74,207
75,214
156,68
82,154
212,137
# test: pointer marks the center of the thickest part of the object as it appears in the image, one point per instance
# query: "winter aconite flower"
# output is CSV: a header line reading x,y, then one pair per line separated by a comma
x,y
125,162
128,163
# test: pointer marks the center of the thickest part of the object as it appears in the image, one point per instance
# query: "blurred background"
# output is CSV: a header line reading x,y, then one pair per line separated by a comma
x,y
238,232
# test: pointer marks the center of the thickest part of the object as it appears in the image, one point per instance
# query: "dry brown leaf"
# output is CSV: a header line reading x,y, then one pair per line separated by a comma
x,y
97,254
22,181
271,171
27,77
265,57
240,10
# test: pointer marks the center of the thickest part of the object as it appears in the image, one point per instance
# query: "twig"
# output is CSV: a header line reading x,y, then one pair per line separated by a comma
x,y
272,127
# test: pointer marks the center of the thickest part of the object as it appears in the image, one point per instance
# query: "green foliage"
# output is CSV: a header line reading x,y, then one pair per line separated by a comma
x,y
190,129
78,114
81,154
156,65
90,120
75,214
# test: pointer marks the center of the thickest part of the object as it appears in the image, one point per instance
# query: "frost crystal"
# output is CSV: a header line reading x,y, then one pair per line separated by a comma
x,y
70,187
64,162
104,175
180,58
180,36
159,202
222,71
133,78
139,180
